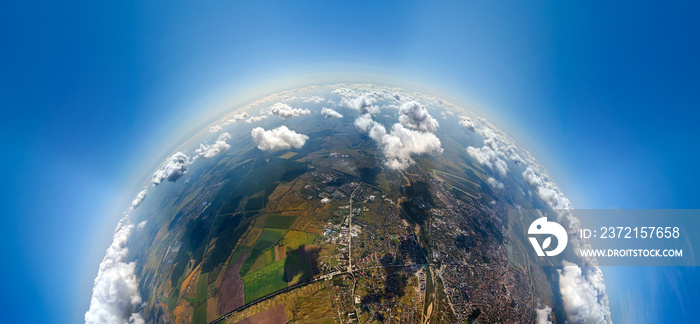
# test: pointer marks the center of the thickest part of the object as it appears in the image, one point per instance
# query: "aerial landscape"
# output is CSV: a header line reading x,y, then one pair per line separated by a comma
x,y
329,218
422,162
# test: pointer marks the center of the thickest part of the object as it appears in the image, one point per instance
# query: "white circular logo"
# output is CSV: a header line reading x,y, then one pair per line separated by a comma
x,y
542,226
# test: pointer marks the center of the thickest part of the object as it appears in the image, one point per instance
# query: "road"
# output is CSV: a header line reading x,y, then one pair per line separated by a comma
x,y
350,230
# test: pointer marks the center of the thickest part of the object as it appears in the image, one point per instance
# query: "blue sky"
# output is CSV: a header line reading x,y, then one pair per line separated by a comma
x,y
94,95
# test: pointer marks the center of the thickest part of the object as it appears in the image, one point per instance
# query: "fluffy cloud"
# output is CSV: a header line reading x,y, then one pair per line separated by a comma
x,y
399,144
139,198
585,300
495,183
141,225
210,150
543,314
115,298
488,157
582,295
546,190
174,168
345,92
413,115
360,103
285,111
314,99
467,123
330,112
235,118
280,138
214,128
364,122
254,119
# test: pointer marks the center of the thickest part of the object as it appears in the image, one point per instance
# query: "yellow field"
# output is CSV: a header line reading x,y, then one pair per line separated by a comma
x,y
288,155
294,239
252,236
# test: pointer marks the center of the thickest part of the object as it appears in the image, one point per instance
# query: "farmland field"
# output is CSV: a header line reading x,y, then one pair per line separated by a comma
x,y
294,239
279,221
268,238
231,292
297,268
200,305
264,259
265,281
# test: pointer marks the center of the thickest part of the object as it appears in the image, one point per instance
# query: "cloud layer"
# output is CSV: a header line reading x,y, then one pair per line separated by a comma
x,y
282,110
115,297
314,99
488,157
280,138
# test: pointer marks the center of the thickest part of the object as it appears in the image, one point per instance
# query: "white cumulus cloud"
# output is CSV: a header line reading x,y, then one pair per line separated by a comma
x,y
495,183
174,168
360,103
400,143
488,157
280,138
235,118
254,119
330,113
210,150
139,198
282,110
582,295
214,128
115,297
413,115
543,314
364,122
467,123
314,99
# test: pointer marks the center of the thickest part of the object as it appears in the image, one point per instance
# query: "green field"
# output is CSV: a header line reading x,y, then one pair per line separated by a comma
x,y
279,221
200,304
172,301
264,281
200,314
298,270
238,252
268,238
294,239
266,258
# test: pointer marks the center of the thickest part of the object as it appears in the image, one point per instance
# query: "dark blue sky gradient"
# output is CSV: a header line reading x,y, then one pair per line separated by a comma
x,y
94,95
